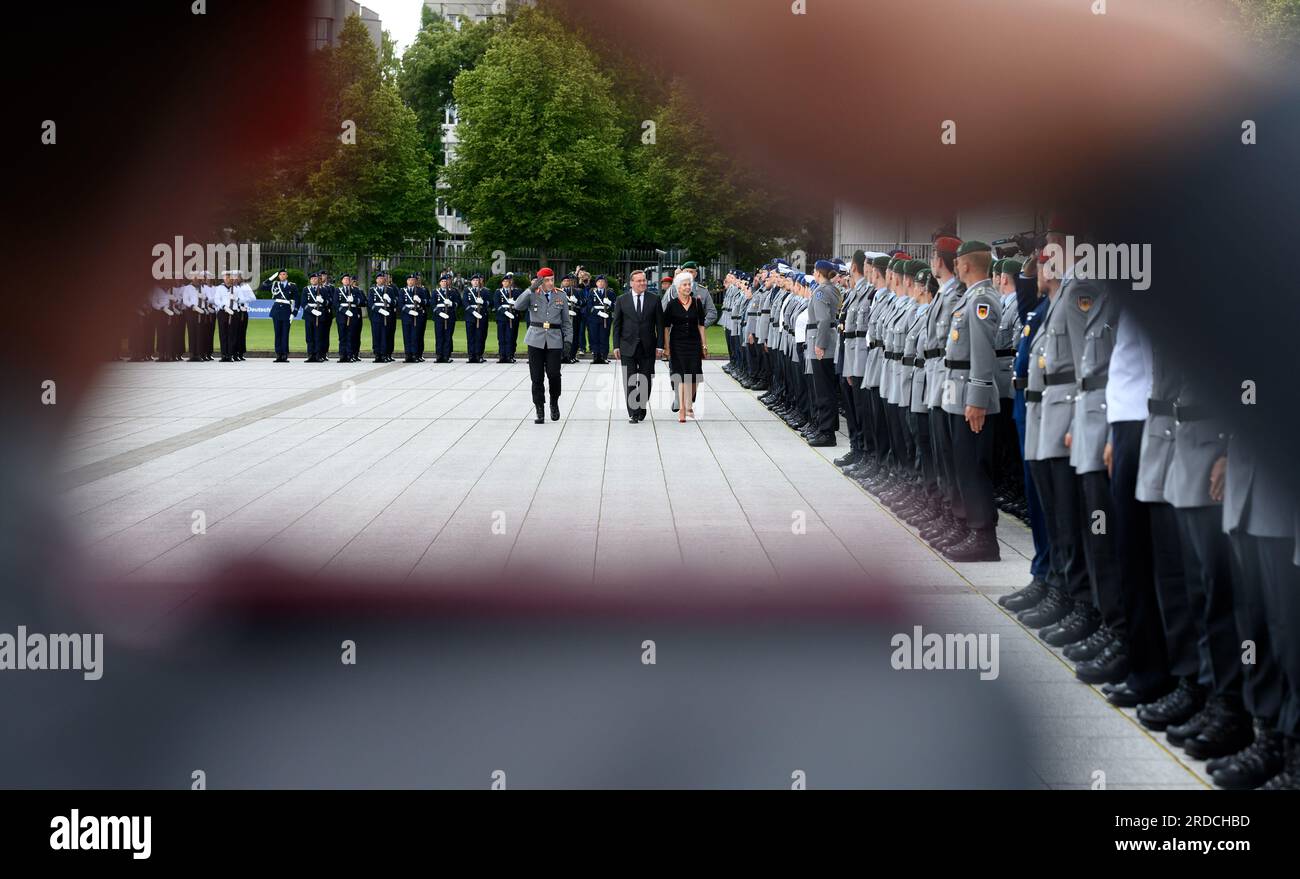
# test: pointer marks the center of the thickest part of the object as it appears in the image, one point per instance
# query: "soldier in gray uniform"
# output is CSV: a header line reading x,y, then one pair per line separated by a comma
x,y
945,527
823,340
845,356
550,333
1009,481
865,353
914,414
882,308
1259,515
970,398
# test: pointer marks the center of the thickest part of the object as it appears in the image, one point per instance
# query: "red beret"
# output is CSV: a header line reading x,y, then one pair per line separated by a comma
x,y
665,278
947,244
545,273
902,254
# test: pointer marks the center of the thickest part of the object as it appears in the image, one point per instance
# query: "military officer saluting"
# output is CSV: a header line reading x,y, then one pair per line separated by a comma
x,y
970,397
284,301
503,307
380,307
550,332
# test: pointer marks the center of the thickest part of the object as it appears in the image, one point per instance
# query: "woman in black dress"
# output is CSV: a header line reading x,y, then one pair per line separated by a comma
x,y
685,342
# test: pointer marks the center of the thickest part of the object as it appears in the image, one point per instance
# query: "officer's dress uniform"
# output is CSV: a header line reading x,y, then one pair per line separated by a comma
x,y
938,328
245,296
1009,465
192,315
379,308
848,338
314,307
550,334
412,305
507,320
444,305
225,301
163,315
916,414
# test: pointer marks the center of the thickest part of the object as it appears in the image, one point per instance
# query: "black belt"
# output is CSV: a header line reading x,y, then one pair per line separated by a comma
x,y
956,364
1021,382
893,355
1190,413
539,325
1060,378
812,325
931,353
1160,407
913,361
1094,382
1033,396
876,343
1005,352
766,311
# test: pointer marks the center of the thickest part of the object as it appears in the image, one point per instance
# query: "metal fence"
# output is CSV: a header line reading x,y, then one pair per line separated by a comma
x,y
915,249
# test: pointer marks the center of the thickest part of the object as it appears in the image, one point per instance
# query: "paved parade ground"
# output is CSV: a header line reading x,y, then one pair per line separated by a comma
x,y
426,473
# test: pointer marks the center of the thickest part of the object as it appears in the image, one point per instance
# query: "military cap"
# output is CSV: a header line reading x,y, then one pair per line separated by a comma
x,y
315,274
923,276
600,277
1011,266
996,268
689,265
478,275
896,264
825,266
545,272
973,247
882,262
947,244
509,274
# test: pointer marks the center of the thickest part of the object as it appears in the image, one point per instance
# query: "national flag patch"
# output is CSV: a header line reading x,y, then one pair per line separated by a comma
x,y
1085,303
982,311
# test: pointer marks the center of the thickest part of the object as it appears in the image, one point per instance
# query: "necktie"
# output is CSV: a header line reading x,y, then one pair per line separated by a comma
x,y
548,298
638,303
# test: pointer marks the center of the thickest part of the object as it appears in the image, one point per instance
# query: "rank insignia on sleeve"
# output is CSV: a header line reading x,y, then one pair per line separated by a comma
x,y
1085,303
982,311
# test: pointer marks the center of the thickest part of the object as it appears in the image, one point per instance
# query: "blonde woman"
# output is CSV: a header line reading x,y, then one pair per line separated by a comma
x,y
684,342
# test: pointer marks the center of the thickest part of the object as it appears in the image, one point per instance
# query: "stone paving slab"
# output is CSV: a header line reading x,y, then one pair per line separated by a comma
x,y
431,474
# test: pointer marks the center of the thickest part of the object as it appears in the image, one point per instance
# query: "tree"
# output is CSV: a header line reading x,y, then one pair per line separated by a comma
x,y
431,64
538,163
363,194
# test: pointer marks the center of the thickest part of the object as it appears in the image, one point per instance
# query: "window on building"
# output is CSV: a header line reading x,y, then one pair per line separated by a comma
x,y
323,34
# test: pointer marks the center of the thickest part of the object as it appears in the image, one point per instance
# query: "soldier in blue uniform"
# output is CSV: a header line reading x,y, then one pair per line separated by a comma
x,y
408,300
380,307
600,304
331,294
503,307
444,318
284,302
474,301
312,304
347,311
421,322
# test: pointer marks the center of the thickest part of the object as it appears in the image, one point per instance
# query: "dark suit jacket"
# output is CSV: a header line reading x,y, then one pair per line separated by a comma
x,y
638,334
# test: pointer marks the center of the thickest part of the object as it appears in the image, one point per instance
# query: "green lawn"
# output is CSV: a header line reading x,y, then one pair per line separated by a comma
x,y
261,337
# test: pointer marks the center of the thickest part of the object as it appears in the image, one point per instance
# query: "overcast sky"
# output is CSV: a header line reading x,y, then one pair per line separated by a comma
x,y
401,18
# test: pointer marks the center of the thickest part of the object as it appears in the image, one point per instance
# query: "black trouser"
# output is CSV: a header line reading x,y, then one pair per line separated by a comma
x,y
1281,581
941,442
1263,688
1009,467
638,375
280,328
879,427
801,397
919,425
1098,531
1207,563
1180,617
192,321
1147,653
854,424
544,362
972,459
828,408
224,331
1057,489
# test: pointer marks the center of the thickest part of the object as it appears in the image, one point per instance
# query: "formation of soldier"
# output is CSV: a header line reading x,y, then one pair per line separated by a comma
x,y
188,318
1166,564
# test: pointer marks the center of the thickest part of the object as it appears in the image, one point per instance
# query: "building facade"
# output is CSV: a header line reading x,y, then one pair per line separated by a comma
x,y
327,17
861,228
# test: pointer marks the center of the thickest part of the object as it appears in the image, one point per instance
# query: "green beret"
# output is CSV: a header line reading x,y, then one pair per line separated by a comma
x,y
882,263
689,265
896,265
997,266
923,276
973,247
916,266
1011,266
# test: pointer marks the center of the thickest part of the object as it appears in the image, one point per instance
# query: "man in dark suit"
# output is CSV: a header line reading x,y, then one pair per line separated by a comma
x,y
638,331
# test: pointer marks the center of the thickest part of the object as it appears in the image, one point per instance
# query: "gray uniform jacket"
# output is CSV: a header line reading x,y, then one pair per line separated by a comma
x,y
825,312
1158,436
1050,353
1005,342
789,312
913,368
549,325
936,346
891,376
1252,501
849,328
1091,317
1198,441
882,306
862,314
971,358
